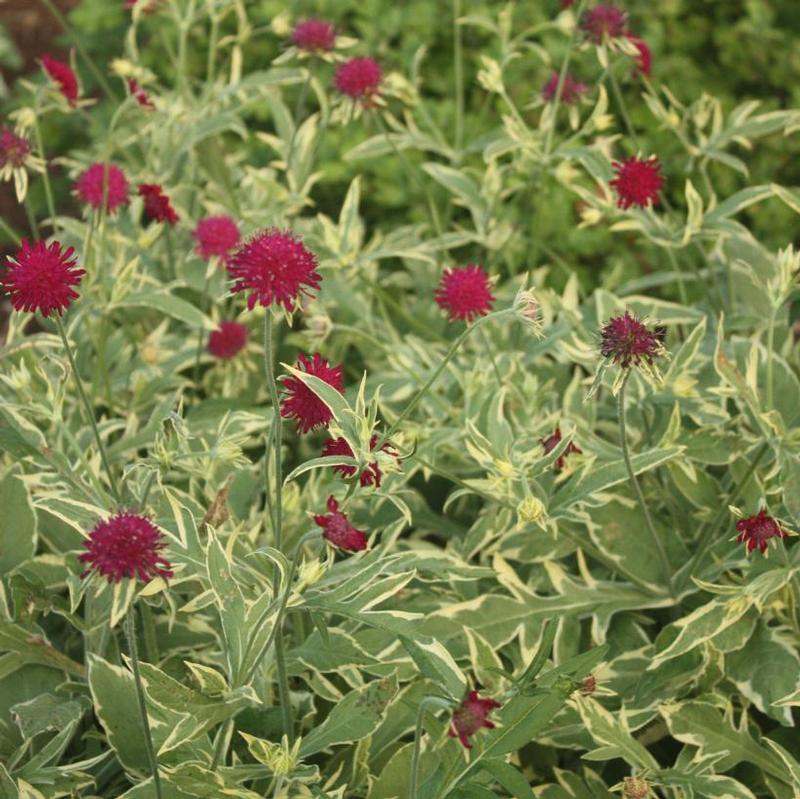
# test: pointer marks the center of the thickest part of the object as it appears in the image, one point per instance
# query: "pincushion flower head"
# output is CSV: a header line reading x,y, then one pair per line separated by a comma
x,y
359,79
644,58
157,206
604,22
41,277
95,181
638,182
465,293
756,531
228,340
372,474
62,75
216,236
126,545
471,716
14,149
571,89
552,441
628,341
301,403
337,530
276,268
314,36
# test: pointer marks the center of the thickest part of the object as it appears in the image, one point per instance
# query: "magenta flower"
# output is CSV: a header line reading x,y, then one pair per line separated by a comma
x,y
471,716
314,36
216,236
638,182
627,341
89,187
140,95
228,340
755,531
571,90
604,22
157,206
337,530
644,58
359,79
301,403
14,150
371,474
63,75
552,441
464,293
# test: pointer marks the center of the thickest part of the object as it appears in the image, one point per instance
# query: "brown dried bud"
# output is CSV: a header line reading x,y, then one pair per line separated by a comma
x,y
635,788
588,685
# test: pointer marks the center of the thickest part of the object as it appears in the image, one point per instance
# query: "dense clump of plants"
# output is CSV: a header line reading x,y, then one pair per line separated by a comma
x,y
399,403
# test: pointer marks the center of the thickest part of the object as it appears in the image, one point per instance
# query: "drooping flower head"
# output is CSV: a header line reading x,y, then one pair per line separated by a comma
x,y
63,75
216,236
465,293
89,186
140,95
359,79
755,531
301,403
157,206
552,441
14,149
470,716
336,529
604,22
276,267
227,340
571,90
41,277
314,36
627,341
126,545
638,182
644,58
372,473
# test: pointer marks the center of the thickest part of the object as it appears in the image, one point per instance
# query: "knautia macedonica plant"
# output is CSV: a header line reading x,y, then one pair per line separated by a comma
x,y
400,401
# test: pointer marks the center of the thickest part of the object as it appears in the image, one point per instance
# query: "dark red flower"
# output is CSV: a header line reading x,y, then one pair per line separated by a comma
x,y
552,441
314,35
638,182
372,474
126,545
157,206
336,529
89,186
470,716
359,78
757,530
571,90
40,278
301,403
628,341
644,59
464,293
567,3
63,75
216,235
140,95
275,267
14,150
227,340
604,21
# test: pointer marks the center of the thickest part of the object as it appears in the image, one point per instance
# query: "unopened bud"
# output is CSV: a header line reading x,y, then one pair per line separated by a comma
x,y
635,788
529,311
530,510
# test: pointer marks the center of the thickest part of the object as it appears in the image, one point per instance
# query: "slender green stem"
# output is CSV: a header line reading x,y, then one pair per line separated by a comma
x,y
414,782
10,232
48,189
458,69
277,441
89,411
76,41
213,40
490,353
770,362
200,333
31,217
623,433
170,253
623,108
299,111
185,26
133,651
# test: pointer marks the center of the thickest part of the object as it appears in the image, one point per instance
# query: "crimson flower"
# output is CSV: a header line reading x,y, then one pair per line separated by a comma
x,y
63,75
464,293
89,186
140,95
644,58
372,474
628,341
275,267
314,35
227,340
756,531
301,403
157,206
14,150
126,545
604,21
552,441
359,79
571,89
40,278
638,182
470,716
336,529
216,235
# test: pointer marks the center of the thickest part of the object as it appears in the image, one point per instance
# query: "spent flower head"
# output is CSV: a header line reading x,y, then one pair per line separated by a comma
x,y
571,89
140,95
337,530
628,341
756,531
14,149
471,716
157,205
552,441
372,474
604,22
